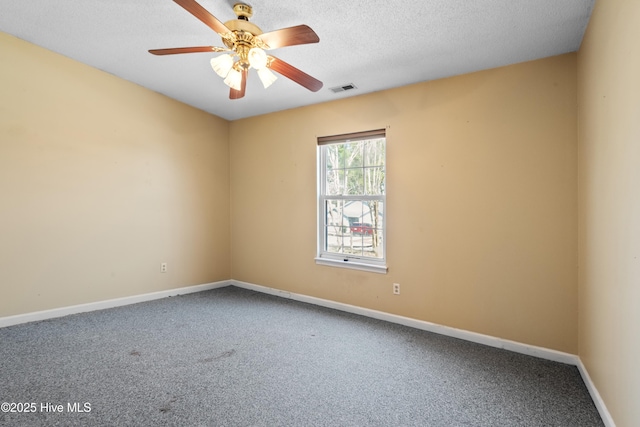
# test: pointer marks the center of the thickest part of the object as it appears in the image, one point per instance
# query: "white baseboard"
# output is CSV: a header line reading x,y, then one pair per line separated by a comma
x,y
541,352
531,350
101,305
595,396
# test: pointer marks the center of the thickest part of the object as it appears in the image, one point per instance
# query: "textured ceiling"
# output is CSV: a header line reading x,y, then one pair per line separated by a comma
x,y
374,44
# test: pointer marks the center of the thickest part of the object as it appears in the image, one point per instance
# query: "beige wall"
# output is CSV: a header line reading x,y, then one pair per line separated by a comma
x,y
609,205
481,205
101,181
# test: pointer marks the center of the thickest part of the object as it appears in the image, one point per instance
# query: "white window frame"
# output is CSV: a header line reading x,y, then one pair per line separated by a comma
x,y
324,257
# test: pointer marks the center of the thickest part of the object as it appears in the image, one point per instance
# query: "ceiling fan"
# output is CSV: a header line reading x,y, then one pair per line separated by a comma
x,y
246,45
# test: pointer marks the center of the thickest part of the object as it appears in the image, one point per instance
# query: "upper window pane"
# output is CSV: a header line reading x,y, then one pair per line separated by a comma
x,y
355,168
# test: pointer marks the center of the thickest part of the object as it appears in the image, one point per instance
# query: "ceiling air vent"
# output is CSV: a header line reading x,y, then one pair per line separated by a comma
x,y
343,88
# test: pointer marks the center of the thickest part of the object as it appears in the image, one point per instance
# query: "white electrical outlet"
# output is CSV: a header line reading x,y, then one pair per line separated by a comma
x,y
396,288
163,267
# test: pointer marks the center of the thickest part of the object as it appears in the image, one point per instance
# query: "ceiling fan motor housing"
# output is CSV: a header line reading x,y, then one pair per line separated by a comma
x,y
245,33
243,11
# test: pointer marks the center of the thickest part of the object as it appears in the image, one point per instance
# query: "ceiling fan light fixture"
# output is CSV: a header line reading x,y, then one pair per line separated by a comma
x,y
257,58
234,79
266,77
222,64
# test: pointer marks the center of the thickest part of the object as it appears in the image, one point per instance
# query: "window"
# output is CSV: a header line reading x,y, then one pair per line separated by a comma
x,y
351,200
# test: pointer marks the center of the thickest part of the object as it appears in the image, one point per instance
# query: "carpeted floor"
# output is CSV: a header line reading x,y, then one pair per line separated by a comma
x,y
233,357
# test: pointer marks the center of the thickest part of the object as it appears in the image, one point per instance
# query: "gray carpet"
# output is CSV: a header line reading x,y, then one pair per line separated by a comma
x,y
233,357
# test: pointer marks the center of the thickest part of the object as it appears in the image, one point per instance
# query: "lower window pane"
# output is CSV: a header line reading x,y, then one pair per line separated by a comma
x,y
354,227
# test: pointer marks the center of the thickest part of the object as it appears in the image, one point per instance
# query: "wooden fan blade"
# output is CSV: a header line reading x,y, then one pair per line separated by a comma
x,y
237,94
301,34
203,15
294,74
176,50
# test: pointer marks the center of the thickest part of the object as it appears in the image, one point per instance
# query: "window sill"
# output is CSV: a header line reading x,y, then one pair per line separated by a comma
x,y
354,265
